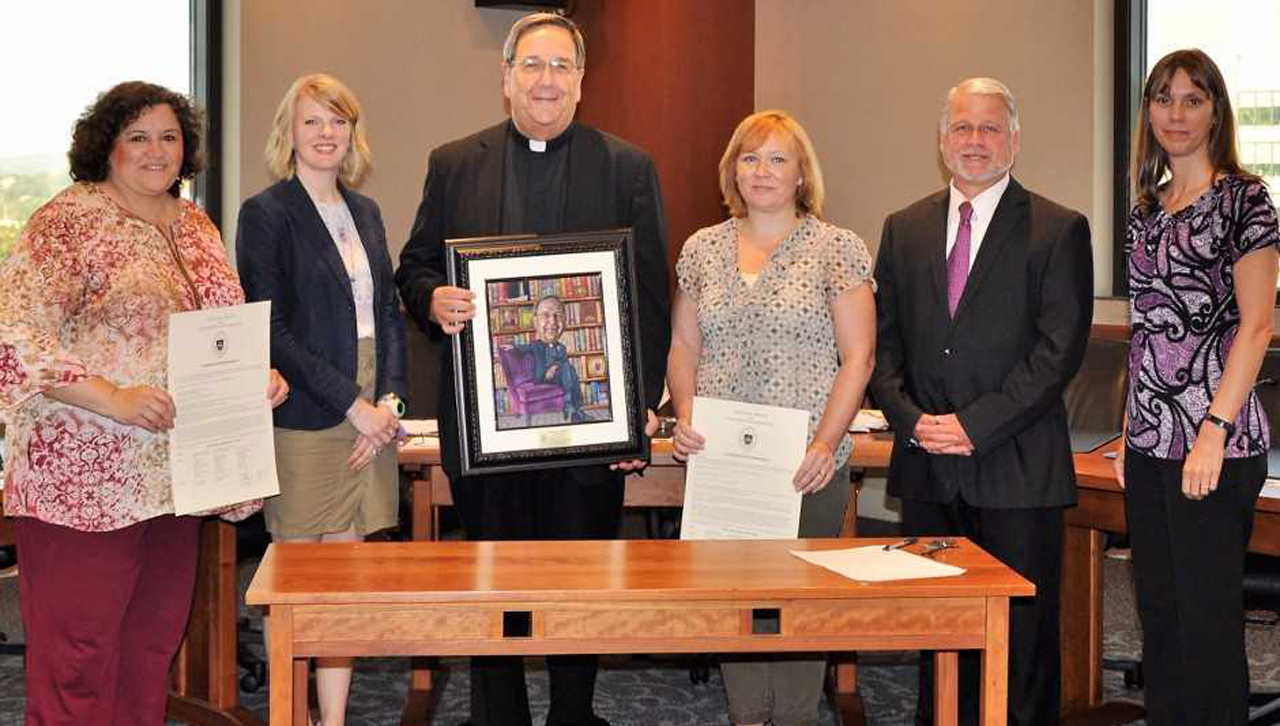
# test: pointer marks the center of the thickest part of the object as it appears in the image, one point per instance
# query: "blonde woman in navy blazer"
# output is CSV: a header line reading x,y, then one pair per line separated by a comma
x,y
318,252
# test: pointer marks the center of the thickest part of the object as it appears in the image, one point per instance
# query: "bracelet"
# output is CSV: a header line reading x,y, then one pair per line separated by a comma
x,y
393,403
1220,422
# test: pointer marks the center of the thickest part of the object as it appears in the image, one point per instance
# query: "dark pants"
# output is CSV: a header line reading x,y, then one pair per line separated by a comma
x,y
104,613
1188,563
577,503
1030,542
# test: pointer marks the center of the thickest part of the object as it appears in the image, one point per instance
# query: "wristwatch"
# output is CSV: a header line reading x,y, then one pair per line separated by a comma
x,y
1221,423
393,403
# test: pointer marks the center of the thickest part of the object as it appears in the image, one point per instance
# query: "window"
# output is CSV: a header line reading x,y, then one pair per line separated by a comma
x,y
62,54
1240,36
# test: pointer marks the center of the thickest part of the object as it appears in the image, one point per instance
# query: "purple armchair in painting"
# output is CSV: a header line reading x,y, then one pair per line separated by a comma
x,y
527,396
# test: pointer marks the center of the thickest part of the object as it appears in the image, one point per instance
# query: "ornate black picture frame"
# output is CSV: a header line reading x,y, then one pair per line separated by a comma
x,y
547,374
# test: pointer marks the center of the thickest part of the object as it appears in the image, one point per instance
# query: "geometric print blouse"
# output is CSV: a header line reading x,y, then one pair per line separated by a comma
x,y
772,342
1185,316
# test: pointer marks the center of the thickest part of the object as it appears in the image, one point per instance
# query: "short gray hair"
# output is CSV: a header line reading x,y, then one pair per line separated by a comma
x,y
980,87
536,20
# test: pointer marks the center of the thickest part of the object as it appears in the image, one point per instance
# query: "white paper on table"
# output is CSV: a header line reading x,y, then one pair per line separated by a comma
x,y
1271,489
739,486
221,448
868,420
875,564
420,426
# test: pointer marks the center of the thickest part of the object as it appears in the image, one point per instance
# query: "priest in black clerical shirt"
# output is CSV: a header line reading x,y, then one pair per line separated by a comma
x,y
537,173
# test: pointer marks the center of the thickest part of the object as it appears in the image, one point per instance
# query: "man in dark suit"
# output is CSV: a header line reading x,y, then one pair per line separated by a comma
x,y
983,307
539,172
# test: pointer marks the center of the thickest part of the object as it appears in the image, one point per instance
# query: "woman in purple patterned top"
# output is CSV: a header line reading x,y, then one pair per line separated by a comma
x,y
1202,243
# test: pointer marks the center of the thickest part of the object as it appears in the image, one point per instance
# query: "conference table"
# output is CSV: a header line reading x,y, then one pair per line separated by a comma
x,y
662,485
622,596
1100,510
206,672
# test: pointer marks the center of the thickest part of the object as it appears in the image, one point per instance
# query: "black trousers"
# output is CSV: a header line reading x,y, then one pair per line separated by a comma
x,y
576,503
1030,542
1188,563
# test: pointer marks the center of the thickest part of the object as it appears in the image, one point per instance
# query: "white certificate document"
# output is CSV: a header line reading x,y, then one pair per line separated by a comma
x,y
221,448
739,486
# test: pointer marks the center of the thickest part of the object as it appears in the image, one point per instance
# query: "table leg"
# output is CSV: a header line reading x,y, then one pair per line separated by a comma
x,y
946,687
421,527
419,705
995,664
205,671
1081,628
281,669
1082,624
845,700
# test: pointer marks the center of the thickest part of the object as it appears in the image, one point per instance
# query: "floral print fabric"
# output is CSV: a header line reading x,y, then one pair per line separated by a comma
x,y
88,292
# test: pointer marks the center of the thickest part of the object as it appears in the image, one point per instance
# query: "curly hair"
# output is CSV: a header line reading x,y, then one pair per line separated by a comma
x,y
100,125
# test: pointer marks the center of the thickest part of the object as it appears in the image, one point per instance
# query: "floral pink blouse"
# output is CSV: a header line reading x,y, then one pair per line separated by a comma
x,y
88,292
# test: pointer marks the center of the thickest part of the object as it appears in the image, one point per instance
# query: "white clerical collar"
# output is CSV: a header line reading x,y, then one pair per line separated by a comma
x,y
540,146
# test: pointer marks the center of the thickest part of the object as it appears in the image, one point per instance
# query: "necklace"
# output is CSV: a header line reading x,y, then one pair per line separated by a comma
x,y
162,223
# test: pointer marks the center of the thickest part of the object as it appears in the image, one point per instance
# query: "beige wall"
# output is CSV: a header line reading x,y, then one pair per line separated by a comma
x,y
867,79
427,71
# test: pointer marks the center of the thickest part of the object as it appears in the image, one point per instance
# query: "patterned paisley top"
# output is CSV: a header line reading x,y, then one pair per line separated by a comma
x,y
1185,316
772,341
88,292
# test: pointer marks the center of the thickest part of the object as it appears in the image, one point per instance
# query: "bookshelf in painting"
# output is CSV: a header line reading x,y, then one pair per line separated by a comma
x,y
512,305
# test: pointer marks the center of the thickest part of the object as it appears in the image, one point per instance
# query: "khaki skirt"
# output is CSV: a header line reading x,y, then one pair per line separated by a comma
x,y
319,494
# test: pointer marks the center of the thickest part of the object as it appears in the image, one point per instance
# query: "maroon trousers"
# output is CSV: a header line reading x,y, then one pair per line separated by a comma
x,y
104,613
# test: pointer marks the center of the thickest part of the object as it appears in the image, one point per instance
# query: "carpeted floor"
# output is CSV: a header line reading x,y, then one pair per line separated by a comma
x,y
657,691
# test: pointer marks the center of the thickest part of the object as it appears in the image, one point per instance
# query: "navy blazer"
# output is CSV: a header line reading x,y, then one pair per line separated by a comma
x,y
285,254
1001,364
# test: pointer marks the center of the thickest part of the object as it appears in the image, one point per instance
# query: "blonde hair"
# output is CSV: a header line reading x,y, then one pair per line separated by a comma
x,y
750,135
333,95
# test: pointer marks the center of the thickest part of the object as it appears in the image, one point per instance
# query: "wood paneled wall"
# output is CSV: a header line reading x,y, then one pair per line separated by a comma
x,y
674,77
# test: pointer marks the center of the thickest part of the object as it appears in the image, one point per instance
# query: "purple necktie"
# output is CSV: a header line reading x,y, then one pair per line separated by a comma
x,y
958,262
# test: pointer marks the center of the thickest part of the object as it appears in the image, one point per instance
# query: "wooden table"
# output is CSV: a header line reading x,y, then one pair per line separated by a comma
x,y
206,672
661,486
1101,510
639,596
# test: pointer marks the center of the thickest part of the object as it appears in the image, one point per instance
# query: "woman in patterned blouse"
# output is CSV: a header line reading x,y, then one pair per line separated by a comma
x,y
1202,272
775,306
107,571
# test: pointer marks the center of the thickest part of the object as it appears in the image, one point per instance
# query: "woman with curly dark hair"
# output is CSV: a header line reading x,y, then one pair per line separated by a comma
x,y
107,569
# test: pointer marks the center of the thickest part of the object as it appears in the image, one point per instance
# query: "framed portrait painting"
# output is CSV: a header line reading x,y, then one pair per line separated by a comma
x,y
548,372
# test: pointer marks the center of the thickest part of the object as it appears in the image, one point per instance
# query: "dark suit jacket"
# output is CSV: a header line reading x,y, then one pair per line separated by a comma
x,y
286,255
612,184
1001,365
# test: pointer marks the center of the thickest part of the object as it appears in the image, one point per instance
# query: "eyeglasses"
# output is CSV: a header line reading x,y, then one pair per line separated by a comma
x,y
532,65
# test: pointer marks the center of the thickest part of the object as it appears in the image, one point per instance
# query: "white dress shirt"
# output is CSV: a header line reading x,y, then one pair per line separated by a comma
x,y
984,208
